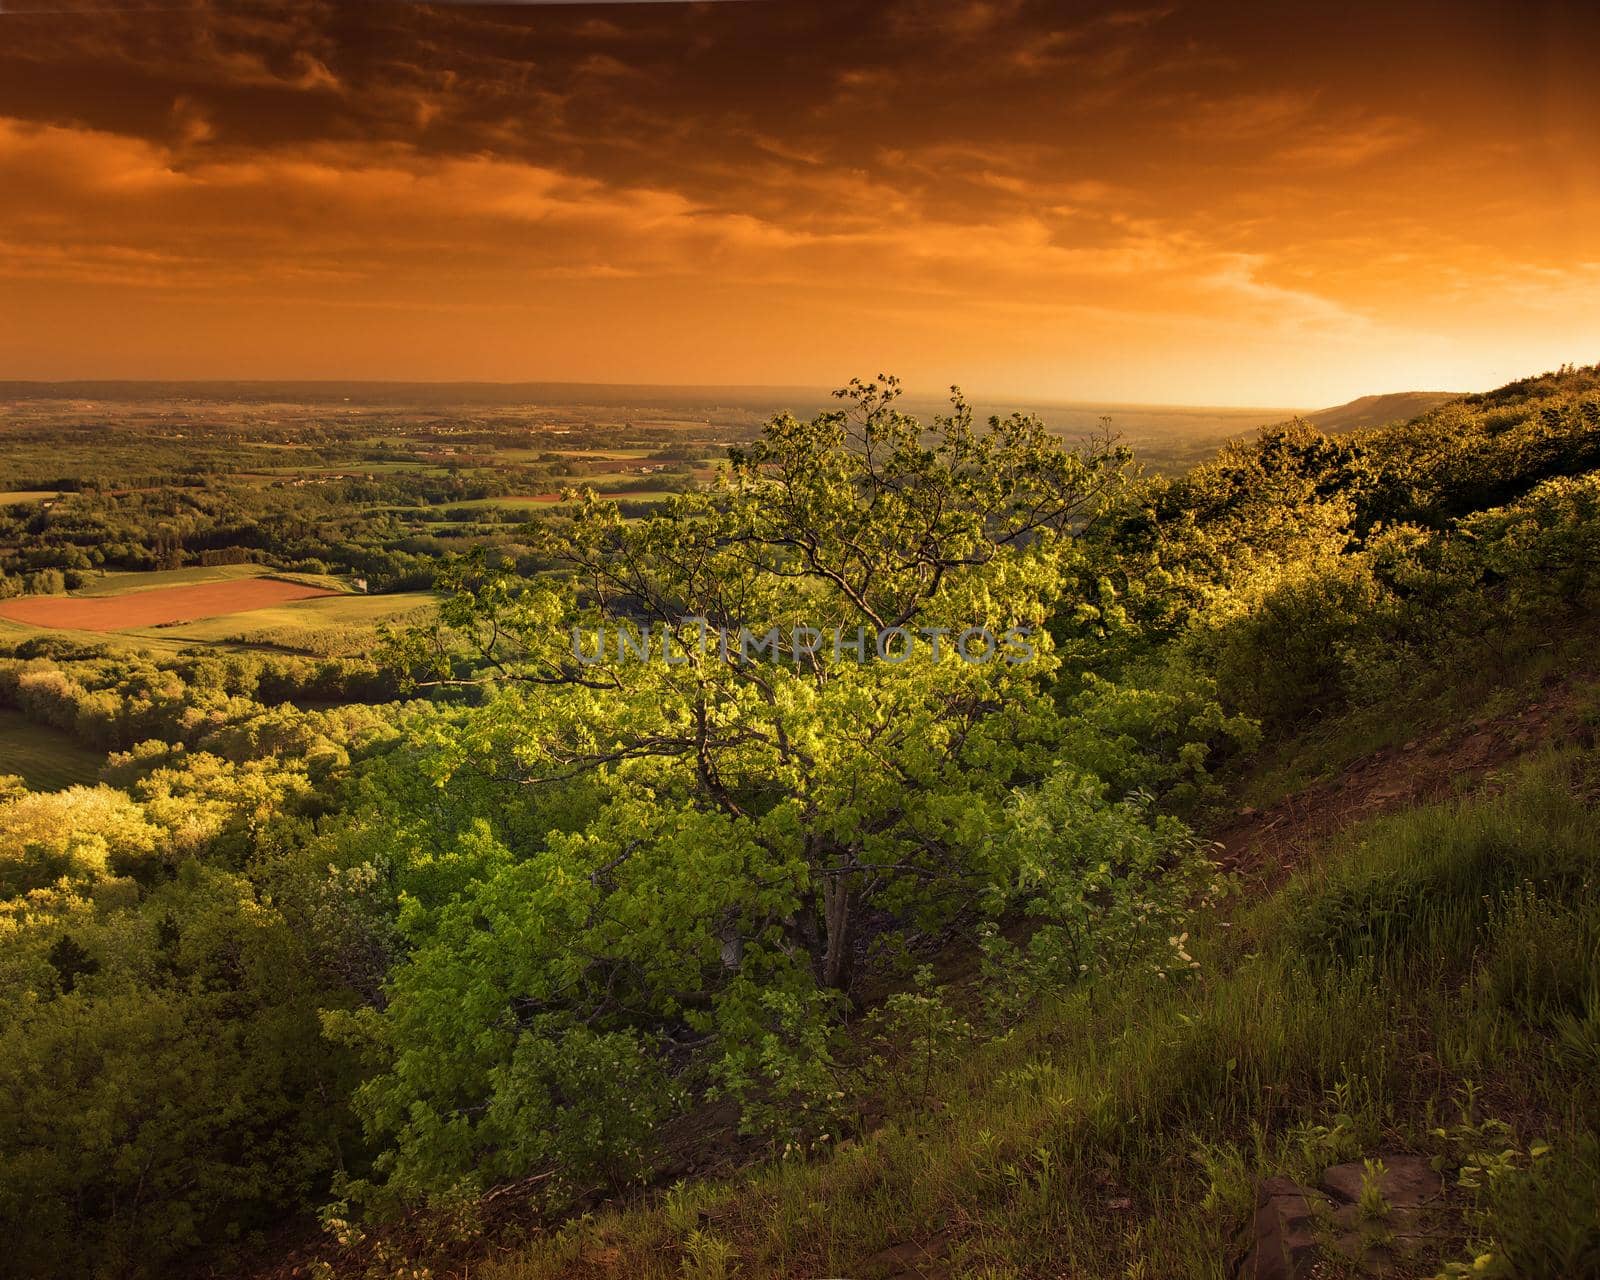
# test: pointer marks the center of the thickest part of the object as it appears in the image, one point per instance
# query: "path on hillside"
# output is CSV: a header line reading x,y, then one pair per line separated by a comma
x,y
1265,845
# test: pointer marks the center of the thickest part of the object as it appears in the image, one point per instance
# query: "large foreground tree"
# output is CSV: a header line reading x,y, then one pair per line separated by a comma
x,y
847,676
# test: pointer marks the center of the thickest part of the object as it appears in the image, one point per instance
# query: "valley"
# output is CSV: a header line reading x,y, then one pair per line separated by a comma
x,y
352,925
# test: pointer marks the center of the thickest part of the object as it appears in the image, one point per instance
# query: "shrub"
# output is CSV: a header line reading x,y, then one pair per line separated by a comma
x,y
1104,888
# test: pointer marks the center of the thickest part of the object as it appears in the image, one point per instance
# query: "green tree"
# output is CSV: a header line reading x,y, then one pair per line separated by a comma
x,y
731,830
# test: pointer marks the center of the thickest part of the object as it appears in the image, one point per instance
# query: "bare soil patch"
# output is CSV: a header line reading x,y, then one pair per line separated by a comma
x,y
156,608
1266,844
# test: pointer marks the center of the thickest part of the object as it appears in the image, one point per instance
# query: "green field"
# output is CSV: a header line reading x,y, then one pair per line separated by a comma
x,y
13,496
120,584
308,616
309,626
117,584
46,758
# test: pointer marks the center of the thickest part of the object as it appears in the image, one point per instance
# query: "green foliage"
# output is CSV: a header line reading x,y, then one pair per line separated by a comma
x,y
1283,647
1535,1212
1546,547
163,1078
1105,888
166,956
487,1076
724,832
778,1061
83,833
1532,1210
1261,587
1370,1201
1164,735
295,947
913,1038
1123,1127
1305,573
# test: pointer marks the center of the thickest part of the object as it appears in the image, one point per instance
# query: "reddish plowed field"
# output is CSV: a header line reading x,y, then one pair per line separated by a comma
x,y
156,607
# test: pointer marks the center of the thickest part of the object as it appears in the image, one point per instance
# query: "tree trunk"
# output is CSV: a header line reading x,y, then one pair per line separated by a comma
x,y
838,902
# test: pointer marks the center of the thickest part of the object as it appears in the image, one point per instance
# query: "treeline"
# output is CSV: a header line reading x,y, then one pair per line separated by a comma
x,y
112,700
316,529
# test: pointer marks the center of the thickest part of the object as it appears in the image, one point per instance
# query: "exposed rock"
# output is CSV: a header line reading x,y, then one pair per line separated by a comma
x,y
1408,1182
1294,1226
912,1260
1283,1235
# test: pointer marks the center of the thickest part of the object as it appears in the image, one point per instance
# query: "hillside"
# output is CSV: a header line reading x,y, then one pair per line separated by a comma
x,y
931,852
1377,410
1328,1098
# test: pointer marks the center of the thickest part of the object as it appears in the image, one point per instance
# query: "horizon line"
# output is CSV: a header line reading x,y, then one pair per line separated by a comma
x,y
762,389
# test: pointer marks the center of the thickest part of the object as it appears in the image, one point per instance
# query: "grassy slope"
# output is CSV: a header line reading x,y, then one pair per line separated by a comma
x,y
324,612
1486,686
46,758
118,584
1120,1133
348,609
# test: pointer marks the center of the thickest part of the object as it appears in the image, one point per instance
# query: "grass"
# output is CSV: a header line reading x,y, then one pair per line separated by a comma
x,y
12,632
117,584
46,758
302,615
121,584
12,497
1490,677
1119,1132
318,626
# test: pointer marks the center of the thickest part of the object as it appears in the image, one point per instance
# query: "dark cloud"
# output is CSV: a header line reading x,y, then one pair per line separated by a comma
x,y
1161,173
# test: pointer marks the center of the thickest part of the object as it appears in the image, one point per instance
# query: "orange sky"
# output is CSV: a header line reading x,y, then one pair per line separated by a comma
x,y
1199,203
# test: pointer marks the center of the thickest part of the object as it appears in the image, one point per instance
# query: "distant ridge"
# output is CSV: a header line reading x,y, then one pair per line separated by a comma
x,y
1375,411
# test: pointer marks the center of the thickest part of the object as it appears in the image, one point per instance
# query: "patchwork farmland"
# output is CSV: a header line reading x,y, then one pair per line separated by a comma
x,y
236,607
160,606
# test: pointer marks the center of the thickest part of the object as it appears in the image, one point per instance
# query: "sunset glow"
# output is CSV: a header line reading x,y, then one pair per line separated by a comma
x,y
1241,204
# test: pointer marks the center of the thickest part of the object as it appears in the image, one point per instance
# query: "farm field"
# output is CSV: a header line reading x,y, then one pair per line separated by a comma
x,y
277,624
156,607
45,758
12,497
121,584
514,501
